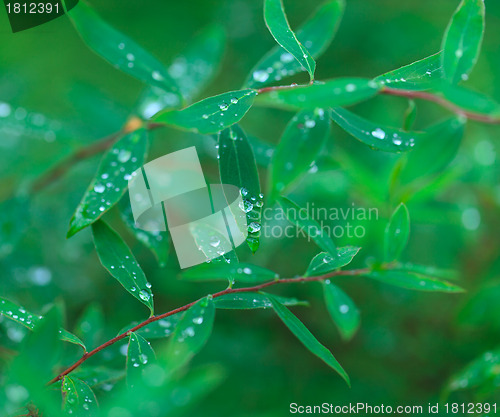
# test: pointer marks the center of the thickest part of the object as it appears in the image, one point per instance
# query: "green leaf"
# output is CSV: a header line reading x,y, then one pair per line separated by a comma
x,y
462,40
210,115
119,50
396,233
316,34
435,149
277,23
302,220
300,145
417,76
241,272
342,309
199,62
66,336
156,242
447,274
191,334
157,329
252,300
117,258
78,398
29,320
306,337
323,262
481,371
413,281
139,355
375,135
13,223
468,99
333,93
237,167
263,151
111,180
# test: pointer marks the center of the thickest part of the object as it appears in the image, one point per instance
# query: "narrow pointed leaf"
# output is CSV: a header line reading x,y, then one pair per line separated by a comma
x,y
299,147
435,149
190,335
157,329
417,76
302,220
66,336
117,258
119,50
252,300
237,167
375,135
307,338
210,115
432,271
29,320
413,281
111,180
333,93
396,233
198,63
139,355
410,115
241,272
316,34
323,262
342,310
78,398
481,371
156,242
462,40
277,23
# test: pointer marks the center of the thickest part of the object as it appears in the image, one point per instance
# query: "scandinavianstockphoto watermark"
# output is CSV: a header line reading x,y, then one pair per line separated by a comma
x,y
336,222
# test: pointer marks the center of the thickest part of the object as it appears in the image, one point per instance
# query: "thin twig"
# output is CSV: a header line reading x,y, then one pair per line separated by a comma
x,y
185,307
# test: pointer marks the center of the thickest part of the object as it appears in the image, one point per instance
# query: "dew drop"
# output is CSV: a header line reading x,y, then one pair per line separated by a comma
x,y
260,76
378,133
99,188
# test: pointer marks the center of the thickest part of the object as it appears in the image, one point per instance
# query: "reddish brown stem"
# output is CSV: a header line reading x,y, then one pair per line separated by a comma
x,y
185,307
424,95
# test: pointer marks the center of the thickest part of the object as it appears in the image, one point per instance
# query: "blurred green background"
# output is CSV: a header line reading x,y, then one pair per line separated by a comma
x,y
409,344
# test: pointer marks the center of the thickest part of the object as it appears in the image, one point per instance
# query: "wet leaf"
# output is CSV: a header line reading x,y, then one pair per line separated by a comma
x,y
307,338
157,329
342,310
333,93
277,23
111,180
252,300
157,242
237,167
480,372
462,40
413,281
311,227
139,355
119,50
299,147
79,400
190,335
117,258
396,233
316,34
417,76
375,135
29,320
241,272
210,115
324,263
